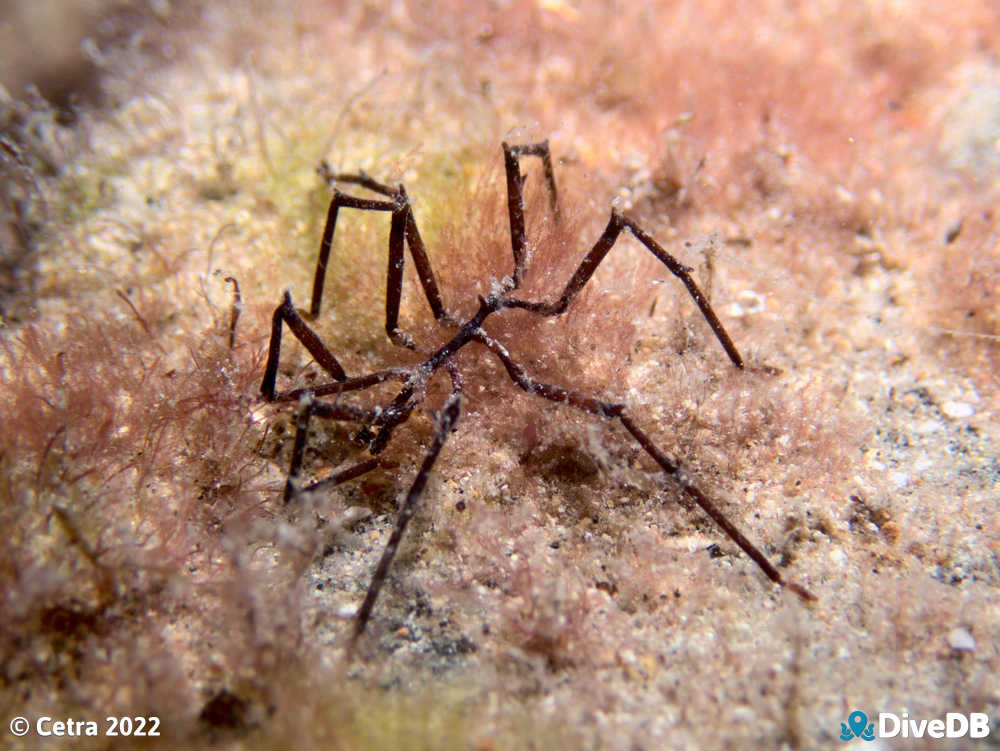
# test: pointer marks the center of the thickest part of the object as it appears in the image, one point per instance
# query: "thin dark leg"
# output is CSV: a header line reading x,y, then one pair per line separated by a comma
x,y
545,390
404,227
340,387
298,448
671,468
684,274
515,196
360,177
286,313
418,252
398,412
616,225
394,280
344,475
339,199
541,150
309,408
608,409
365,180
446,419
515,209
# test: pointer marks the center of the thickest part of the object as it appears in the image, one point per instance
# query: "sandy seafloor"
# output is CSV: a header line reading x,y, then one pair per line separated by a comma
x,y
831,180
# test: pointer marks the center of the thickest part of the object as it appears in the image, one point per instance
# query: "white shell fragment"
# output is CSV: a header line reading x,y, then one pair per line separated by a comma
x,y
961,640
958,410
747,303
354,514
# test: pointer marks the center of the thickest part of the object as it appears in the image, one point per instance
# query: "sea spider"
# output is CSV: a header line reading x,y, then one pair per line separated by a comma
x,y
378,423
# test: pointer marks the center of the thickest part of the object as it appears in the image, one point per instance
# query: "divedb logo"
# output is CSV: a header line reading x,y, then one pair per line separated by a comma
x,y
889,725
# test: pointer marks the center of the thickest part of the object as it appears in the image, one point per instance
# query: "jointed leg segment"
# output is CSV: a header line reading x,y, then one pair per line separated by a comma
x,y
286,313
515,197
446,419
309,408
339,199
616,225
403,227
671,468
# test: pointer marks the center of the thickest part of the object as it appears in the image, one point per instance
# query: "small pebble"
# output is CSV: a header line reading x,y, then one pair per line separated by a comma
x,y
750,301
928,426
354,514
958,409
346,611
961,640
747,303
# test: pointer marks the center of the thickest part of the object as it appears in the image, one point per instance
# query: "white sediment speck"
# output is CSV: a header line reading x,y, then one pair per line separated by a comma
x,y
928,426
747,303
742,714
958,410
751,301
961,640
354,514
346,611
837,557
900,479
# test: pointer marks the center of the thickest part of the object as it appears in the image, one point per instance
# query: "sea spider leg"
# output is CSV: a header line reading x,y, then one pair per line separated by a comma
x,y
339,199
385,420
349,384
403,227
286,313
418,251
670,467
360,177
515,197
616,225
446,419
309,408
413,389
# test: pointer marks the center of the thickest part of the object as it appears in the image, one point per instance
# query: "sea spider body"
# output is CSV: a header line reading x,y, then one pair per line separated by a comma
x,y
379,423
